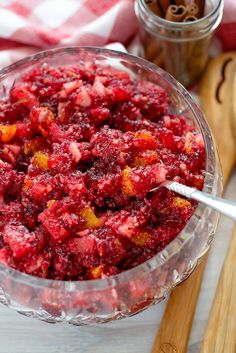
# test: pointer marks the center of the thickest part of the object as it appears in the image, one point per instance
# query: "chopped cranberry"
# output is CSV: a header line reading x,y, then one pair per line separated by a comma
x,y
19,239
60,162
35,264
52,223
22,96
11,213
5,256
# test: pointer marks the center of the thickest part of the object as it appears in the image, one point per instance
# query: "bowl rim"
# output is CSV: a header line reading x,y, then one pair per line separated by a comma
x,y
176,244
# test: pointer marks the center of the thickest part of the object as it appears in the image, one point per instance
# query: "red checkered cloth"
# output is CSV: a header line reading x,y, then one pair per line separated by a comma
x,y
27,26
226,32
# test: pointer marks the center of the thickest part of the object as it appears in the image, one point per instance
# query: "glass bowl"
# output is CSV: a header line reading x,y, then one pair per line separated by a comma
x,y
125,294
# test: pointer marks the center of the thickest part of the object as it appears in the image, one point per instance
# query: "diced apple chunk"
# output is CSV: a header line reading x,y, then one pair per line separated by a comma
x,y
83,99
41,119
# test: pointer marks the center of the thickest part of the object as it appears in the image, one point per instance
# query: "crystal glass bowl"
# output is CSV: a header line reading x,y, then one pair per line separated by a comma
x,y
125,294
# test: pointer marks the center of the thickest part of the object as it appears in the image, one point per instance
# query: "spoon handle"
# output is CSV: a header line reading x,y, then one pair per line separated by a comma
x,y
227,208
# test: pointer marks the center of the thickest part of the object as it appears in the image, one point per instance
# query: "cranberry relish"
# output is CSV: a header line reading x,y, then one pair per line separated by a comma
x,y
80,148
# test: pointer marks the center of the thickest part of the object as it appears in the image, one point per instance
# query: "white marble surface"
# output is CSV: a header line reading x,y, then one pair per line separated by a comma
x,y
19,334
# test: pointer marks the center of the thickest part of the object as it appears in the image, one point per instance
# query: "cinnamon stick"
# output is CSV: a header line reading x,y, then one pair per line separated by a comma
x,y
201,6
179,2
192,10
154,7
190,18
189,2
164,4
159,60
175,13
153,50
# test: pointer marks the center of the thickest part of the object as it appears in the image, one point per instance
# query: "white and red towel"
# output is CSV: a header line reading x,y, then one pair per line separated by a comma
x,y
226,32
27,26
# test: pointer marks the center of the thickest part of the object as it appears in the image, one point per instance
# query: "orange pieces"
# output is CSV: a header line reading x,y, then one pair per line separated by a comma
x,y
144,135
50,203
146,158
91,220
96,272
40,160
32,146
127,185
179,202
7,132
141,239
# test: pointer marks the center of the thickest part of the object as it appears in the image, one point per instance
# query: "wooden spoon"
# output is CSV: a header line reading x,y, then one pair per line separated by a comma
x,y
176,324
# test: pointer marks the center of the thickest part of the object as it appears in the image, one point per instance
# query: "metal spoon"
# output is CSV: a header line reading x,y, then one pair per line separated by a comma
x,y
227,208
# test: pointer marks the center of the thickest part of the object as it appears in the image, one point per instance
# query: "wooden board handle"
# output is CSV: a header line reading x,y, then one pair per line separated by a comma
x,y
176,323
220,334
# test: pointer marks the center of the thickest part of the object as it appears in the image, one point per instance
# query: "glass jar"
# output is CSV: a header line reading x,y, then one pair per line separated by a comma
x,y
182,48
127,293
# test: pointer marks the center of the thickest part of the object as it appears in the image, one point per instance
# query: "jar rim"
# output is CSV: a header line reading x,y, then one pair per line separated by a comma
x,y
173,247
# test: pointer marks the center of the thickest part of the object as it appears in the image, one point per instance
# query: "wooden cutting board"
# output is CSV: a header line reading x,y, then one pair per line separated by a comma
x,y
220,335
216,97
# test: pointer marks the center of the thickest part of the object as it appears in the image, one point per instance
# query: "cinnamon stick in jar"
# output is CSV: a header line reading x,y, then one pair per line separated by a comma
x,y
192,10
176,13
201,7
164,4
190,18
179,2
189,2
153,51
154,7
